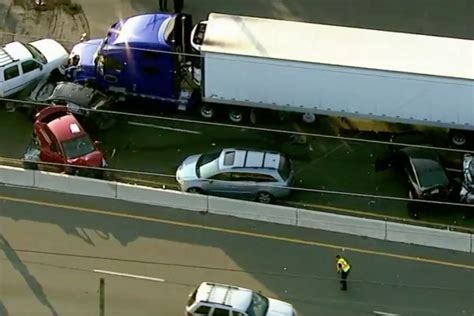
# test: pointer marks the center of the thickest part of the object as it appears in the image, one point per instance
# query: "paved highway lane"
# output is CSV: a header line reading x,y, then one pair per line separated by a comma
x,y
158,146
52,243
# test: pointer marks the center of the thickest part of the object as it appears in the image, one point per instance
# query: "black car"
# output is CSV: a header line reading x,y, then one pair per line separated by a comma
x,y
80,100
427,178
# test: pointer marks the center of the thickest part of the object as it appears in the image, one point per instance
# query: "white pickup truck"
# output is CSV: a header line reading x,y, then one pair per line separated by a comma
x,y
23,64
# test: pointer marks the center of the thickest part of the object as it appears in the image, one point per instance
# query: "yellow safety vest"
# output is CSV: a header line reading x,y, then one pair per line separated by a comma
x,y
344,265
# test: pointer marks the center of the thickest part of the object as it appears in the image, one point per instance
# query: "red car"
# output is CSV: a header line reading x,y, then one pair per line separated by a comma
x,y
59,138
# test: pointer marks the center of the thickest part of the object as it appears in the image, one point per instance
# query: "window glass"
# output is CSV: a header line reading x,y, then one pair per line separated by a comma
x,y
237,314
29,65
202,310
207,165
220,312
258,306
252,177
78,147
222,177
11,72
113,64
284,167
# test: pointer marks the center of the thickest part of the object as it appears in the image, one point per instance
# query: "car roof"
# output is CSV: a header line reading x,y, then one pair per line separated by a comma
x,y
66,127
14,51
73,92
233,296
241,158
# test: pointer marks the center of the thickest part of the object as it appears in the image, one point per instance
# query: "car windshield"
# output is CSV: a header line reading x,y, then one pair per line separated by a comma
x,y
77,147
430,173
36,53
169,30
258,305
208,165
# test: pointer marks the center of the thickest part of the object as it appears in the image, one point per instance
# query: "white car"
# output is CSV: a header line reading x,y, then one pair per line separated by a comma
x,y
214,299
23,64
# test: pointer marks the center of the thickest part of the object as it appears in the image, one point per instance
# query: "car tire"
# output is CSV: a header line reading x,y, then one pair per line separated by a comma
x,y
194,190
264,197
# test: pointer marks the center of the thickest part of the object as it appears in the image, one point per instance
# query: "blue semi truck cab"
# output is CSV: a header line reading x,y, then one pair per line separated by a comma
x,y
141,56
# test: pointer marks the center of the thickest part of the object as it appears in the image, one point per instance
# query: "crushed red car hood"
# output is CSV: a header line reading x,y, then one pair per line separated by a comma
x,y
93,159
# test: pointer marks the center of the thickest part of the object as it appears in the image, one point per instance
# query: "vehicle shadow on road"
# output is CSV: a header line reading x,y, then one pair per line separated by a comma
x,y
3,309
34,285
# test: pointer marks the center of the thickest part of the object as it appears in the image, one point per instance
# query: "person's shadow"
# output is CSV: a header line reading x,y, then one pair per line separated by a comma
x,y
34,285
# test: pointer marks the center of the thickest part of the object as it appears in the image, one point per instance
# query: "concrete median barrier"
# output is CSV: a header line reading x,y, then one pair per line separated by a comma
x,y
252,210
153,196
75,184
429,237
341,224
17,176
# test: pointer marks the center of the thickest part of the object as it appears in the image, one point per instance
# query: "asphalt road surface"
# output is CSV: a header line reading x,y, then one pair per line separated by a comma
x,y
324,164
55,247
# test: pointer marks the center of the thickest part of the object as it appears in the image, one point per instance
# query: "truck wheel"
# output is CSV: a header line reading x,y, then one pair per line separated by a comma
x,y
309,118
458,138
236,115
207,111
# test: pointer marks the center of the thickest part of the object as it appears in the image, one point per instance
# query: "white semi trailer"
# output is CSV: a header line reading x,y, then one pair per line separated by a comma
x,y
314,69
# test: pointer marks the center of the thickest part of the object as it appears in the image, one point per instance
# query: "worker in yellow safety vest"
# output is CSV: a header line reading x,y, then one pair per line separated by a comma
x,y
343,268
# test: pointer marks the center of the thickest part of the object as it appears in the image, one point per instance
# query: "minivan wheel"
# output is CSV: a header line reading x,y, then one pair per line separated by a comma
x,y
194,190
264,197
207,111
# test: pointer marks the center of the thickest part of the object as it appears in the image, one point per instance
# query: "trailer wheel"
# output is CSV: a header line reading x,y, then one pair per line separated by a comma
x,y
207,111
236,115
309,118
458,138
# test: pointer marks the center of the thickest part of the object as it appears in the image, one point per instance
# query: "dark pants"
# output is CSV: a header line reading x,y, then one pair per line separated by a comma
x,y
344,276
163,5
178,6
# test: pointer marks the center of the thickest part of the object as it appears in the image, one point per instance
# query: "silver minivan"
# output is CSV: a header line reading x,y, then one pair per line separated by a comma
x,y
238,173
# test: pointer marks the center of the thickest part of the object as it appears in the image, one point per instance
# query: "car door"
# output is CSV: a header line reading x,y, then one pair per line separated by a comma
x,y
32,70
244,184
12,80
50,151
218,184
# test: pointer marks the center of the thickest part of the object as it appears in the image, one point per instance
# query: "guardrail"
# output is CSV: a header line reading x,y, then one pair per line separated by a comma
x,y
379,229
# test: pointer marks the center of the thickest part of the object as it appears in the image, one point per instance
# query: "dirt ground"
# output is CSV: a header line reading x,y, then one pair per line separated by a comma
x,y
59,19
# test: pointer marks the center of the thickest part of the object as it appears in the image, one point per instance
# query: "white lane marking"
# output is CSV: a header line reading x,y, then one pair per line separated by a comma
x,y
165,128
385,314
134,276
